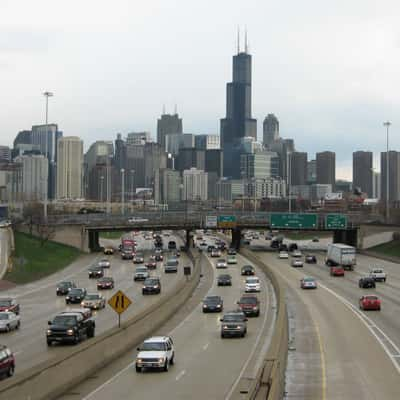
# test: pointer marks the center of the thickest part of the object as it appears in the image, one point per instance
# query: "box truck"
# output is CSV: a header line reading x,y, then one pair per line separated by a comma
x,y
341,254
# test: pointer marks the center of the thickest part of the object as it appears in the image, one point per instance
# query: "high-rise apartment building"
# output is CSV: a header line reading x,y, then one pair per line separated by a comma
x,y
238,122
326,168
394,176
270,130
363,171
167,186
195,185
167,124
311,172
298,168
69,168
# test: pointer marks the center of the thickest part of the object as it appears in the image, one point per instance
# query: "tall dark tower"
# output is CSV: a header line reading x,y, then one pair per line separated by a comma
x,y
238,122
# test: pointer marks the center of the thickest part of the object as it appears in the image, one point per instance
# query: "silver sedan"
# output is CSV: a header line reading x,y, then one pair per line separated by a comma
x,y
9,320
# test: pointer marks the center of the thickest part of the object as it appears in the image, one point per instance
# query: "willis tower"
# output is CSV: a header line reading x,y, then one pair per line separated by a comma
x,y
238,122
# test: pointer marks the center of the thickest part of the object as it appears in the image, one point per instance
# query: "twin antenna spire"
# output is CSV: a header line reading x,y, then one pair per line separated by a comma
x,y
175,109
246,44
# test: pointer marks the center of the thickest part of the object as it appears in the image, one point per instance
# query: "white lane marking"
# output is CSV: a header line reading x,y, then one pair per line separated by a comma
x,y
372,327
17,352
180,375
119,373
228,396
205,347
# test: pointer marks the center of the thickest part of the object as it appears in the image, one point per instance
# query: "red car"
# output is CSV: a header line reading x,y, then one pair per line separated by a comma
x,y
9,304
370,302
7,361
105,283
151,264
337,271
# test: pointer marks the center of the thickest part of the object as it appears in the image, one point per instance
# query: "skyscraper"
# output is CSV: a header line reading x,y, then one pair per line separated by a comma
x,y
238,122
326,168
394,176
298,168
69,168
363,172
167,124
270,130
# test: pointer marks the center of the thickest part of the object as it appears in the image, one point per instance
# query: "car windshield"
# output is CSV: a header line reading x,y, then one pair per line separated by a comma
x,y
141,269
248,300
252,280
233,317
151,282
92,297
139,255
221,260
106,279
64,284
377,271
3,316
153,346
5,303
76,291
104,260
64,320
308,279
247,268
212,299
224,277
371,298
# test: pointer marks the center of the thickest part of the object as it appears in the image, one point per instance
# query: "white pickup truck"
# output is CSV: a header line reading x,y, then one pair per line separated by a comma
x,y
378,274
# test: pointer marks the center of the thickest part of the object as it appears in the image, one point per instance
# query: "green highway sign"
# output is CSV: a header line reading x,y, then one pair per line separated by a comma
x,y
294,221
226,221
336,221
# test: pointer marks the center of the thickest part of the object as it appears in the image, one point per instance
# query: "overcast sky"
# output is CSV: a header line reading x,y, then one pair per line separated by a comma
x,y
330,71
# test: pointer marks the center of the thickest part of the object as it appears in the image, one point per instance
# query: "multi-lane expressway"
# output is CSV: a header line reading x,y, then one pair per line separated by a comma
x,y
39,303
336,350
206,367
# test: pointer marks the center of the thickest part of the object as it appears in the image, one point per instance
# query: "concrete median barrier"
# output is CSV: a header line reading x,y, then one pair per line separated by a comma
x,y
51,379
270,380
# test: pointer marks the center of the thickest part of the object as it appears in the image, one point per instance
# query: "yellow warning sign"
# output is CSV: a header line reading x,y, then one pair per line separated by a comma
x,y
119,302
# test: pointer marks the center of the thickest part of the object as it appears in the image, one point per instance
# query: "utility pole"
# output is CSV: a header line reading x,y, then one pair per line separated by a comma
x,y
46,192
387,125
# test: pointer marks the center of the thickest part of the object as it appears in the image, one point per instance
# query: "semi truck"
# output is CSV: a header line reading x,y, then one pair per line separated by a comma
x,y
341,254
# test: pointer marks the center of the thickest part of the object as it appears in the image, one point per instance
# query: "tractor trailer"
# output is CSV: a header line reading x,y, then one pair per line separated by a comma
x,y
341,254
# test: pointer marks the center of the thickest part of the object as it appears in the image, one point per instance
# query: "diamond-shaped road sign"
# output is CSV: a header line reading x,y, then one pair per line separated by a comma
x,y
119,302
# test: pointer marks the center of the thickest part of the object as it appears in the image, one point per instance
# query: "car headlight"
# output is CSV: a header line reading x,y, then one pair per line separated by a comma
x,y
238,327
225,326
82,303
155,287
204,305
48,332
70,332
219,305
139,360
161,360
67,297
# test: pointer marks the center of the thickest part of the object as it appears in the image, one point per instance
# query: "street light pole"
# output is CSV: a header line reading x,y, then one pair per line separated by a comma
x,y
46,194
108,185
101,189
387,125
132,175
123,191
289,181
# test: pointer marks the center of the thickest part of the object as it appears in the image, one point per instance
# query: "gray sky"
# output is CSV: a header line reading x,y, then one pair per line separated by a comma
x,y
328,70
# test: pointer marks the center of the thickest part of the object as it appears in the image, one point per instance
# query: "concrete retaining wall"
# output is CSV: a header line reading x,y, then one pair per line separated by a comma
x,y
53,378
376,239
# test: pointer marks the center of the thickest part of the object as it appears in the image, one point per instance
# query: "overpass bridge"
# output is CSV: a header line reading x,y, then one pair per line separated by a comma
x,y
84,230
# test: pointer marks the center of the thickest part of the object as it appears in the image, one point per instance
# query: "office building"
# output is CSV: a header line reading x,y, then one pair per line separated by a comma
x,y
190,158
298,168
69,168
300,192
326,168
257,165
214,161
229,190
207,142
23,137
166,125
265,188
312,172
270,130
376,185
11,182
138,138
238,122
394,176
283,147
319,191
34,177
195,185
167,187
363,171
155,157
5,154
249,145
343,186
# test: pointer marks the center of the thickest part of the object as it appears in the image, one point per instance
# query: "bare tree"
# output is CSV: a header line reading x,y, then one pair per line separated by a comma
x,y
32,214
45,232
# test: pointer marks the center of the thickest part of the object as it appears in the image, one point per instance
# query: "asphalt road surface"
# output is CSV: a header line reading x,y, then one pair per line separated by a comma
x,y
206,366
336,350
39,302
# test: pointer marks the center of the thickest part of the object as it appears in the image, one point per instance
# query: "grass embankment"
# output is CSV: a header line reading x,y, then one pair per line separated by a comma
x,y
305,235
110,235
388,249
33,261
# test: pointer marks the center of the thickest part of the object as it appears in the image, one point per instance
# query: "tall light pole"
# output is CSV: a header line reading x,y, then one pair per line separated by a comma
x,y
101,189
47,95
132,177
123,191
289,180
108,184
387,125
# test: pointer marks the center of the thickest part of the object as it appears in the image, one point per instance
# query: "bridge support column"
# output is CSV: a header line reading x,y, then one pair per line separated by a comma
x,y
236,238
94,244
348,236
189,240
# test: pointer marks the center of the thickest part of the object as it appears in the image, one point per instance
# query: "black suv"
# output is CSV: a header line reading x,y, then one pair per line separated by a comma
x,y
151,285
96,271
311,259
366,282
64,287
224,280
75,295
171,245
213,304
247,270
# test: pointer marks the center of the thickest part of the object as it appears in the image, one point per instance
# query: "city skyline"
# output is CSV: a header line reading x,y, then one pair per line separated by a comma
x,y
320,92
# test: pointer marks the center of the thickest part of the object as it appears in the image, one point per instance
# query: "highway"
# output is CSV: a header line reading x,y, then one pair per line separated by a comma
x,y
350,354
206,367
39,302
